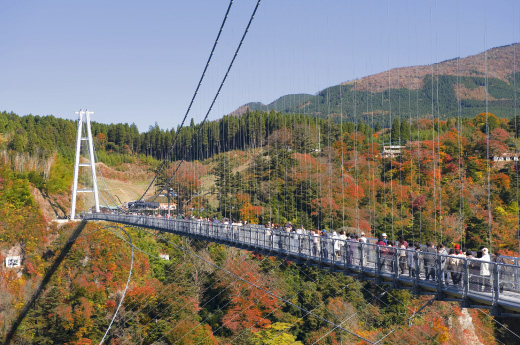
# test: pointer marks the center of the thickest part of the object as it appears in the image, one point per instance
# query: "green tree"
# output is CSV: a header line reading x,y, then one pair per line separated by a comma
x,y
514,125
486,118
275,334
60,177
405,130
476,232
395,134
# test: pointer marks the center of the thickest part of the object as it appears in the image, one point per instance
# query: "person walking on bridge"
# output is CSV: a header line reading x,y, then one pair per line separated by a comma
x,y
315,242
485,272
403,245
336,245
429,261
410,255
382,251
452,266
441,250
324,241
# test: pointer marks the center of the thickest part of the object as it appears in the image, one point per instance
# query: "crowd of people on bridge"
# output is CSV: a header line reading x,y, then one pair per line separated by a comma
x,y
412,259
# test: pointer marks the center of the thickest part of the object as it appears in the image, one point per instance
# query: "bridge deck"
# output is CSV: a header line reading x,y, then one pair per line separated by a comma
x,y
473,282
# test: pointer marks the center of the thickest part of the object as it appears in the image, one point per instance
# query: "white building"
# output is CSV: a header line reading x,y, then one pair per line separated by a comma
x,y
505,157
164,206
392,151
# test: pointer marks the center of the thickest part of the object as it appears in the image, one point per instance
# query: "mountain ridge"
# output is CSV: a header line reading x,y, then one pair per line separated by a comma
x,y
446,83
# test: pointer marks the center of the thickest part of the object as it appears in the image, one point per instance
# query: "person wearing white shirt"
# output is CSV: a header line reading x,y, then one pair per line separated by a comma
x,y
485,273
343,238
315,243
337,244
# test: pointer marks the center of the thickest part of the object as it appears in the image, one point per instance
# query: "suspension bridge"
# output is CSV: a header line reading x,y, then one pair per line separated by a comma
x,y
473,282
481,283
499,290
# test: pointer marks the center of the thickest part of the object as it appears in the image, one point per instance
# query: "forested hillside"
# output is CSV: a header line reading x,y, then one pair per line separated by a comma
x,y
187,301
327,175
417,91
311,171
258,167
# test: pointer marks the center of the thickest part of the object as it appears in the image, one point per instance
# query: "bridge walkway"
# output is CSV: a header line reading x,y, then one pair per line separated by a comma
x,y
472,282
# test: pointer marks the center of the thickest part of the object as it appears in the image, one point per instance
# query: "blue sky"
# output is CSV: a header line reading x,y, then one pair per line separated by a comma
x,y
140,61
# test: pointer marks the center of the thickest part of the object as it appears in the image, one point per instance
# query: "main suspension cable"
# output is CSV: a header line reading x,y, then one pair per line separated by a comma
x,y
191,102
212,103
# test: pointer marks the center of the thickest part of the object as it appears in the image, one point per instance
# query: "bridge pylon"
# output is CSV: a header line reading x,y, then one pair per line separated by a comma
x,y
84,119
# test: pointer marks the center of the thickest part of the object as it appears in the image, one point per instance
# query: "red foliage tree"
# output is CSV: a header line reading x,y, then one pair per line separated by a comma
x,y
249,305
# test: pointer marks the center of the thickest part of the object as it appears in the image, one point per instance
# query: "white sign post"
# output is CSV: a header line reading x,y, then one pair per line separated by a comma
x,y
13,261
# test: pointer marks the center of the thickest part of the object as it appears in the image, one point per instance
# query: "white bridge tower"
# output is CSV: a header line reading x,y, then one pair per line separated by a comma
x,y
84,118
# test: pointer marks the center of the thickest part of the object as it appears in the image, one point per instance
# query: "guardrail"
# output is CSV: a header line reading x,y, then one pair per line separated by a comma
x,y
474,282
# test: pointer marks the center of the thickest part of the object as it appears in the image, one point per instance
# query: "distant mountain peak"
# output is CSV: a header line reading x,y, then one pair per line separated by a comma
x,y
280,104
499,61
251,106
457,85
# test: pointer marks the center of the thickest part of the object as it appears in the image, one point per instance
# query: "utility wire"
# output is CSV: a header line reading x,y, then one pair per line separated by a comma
x,y
212,103
295,295
136,309
408,319
127,284
180,309
218,309
260,288
191,102
345,320
501,324
488,168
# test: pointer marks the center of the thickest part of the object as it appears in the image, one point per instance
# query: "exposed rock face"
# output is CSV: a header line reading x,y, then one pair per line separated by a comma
x,y
468,329
53,206
46,208
15,250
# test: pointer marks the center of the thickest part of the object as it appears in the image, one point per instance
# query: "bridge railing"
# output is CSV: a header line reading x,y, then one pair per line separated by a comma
x,y
495,281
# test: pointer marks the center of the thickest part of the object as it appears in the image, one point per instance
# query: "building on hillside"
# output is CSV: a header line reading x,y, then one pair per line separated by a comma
x,y
505,157
105,209
142,205
392,151
164,206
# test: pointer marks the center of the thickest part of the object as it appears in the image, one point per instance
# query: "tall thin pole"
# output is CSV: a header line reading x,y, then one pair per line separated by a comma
x,y
76,165
92,160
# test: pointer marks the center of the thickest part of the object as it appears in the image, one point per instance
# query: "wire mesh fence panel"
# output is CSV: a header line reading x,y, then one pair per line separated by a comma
x,y
306,245
327,249
294,243
508,277
370,256
494,280
402,262
353,252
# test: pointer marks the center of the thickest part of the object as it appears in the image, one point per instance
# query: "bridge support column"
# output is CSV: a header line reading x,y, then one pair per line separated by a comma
x,y
84,117
495,289
378,265
465,286
416,278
